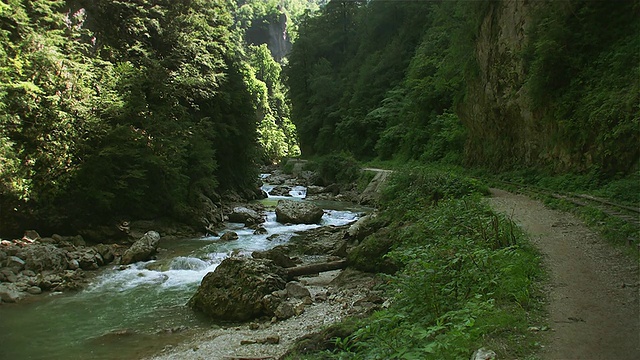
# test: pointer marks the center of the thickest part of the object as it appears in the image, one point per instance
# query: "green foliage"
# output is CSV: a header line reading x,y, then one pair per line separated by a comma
x,y
339,168
467,276
111,109
383,79
583,70
276,133
378,79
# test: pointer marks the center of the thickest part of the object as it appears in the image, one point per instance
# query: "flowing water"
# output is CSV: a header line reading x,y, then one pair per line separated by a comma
x,y
131,313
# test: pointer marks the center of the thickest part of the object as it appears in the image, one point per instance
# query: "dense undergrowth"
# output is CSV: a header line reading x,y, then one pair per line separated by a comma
x,y
622,189
466,277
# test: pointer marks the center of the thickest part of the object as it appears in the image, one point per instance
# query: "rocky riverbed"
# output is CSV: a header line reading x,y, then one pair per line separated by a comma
x,y
35,265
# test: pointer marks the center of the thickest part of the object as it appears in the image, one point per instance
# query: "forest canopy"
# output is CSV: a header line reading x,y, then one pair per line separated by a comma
x,y
545,84
132,109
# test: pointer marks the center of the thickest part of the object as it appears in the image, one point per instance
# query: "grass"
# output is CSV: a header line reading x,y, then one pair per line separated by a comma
x,y
467,278
624,190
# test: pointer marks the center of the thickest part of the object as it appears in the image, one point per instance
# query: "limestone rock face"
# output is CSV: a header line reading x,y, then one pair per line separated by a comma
x,y
142,249
298,212
235,290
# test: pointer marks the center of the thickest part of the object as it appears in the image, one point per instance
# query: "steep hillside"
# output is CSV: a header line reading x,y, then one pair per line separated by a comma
x,y
557,86
500,84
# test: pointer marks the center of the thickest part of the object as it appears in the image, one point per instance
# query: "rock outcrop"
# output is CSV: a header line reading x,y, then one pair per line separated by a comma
x,y
298,212
235,290
241,214
142,249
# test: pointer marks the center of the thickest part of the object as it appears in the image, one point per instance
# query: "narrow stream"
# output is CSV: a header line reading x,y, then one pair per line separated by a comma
x,y
132,313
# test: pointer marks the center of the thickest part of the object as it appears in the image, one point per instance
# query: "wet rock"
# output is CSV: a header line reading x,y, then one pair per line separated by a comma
x,y
234,291
40,257
49,281
10,293
298,212
229,236
260,230
278,256
281,190
245,215
34,290
142,249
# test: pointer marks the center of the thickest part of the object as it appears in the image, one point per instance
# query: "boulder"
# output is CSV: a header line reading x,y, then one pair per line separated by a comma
x,y
40,257
280,190
234,291
15,263
298,212
277,255
10,293
142,249
296,290
106,252
229,236
245,215
88,260
31,236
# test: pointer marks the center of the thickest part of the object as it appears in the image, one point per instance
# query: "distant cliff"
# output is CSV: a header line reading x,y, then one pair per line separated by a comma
x,y
271,31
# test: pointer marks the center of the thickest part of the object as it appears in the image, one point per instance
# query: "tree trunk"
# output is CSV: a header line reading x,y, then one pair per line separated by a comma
x,y
315,268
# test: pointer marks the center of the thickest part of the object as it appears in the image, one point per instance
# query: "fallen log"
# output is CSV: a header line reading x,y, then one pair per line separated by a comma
x,y
314,268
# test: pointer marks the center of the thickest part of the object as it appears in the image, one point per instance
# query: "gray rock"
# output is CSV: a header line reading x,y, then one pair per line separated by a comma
x,y
284,311
295,290
229,236
34,290
235,290
142,249
106,252
15,263
277,255
88,261
31,236
260,230
484,354
73,264
10,293
298,212
245,215
315,190
28,273
40,257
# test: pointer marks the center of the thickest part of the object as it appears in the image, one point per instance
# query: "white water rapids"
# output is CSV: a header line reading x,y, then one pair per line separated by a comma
x,y
141,300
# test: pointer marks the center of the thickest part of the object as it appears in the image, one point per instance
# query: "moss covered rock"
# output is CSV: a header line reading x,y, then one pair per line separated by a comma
x,y
235,290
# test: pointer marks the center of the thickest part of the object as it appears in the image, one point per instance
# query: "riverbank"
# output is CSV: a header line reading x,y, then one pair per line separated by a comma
x,y
140,308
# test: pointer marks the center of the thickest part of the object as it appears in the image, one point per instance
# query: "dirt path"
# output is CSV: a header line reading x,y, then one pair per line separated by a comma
x,y
593,290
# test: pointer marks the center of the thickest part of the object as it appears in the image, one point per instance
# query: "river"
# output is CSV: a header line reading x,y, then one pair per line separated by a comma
x,y
135,312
